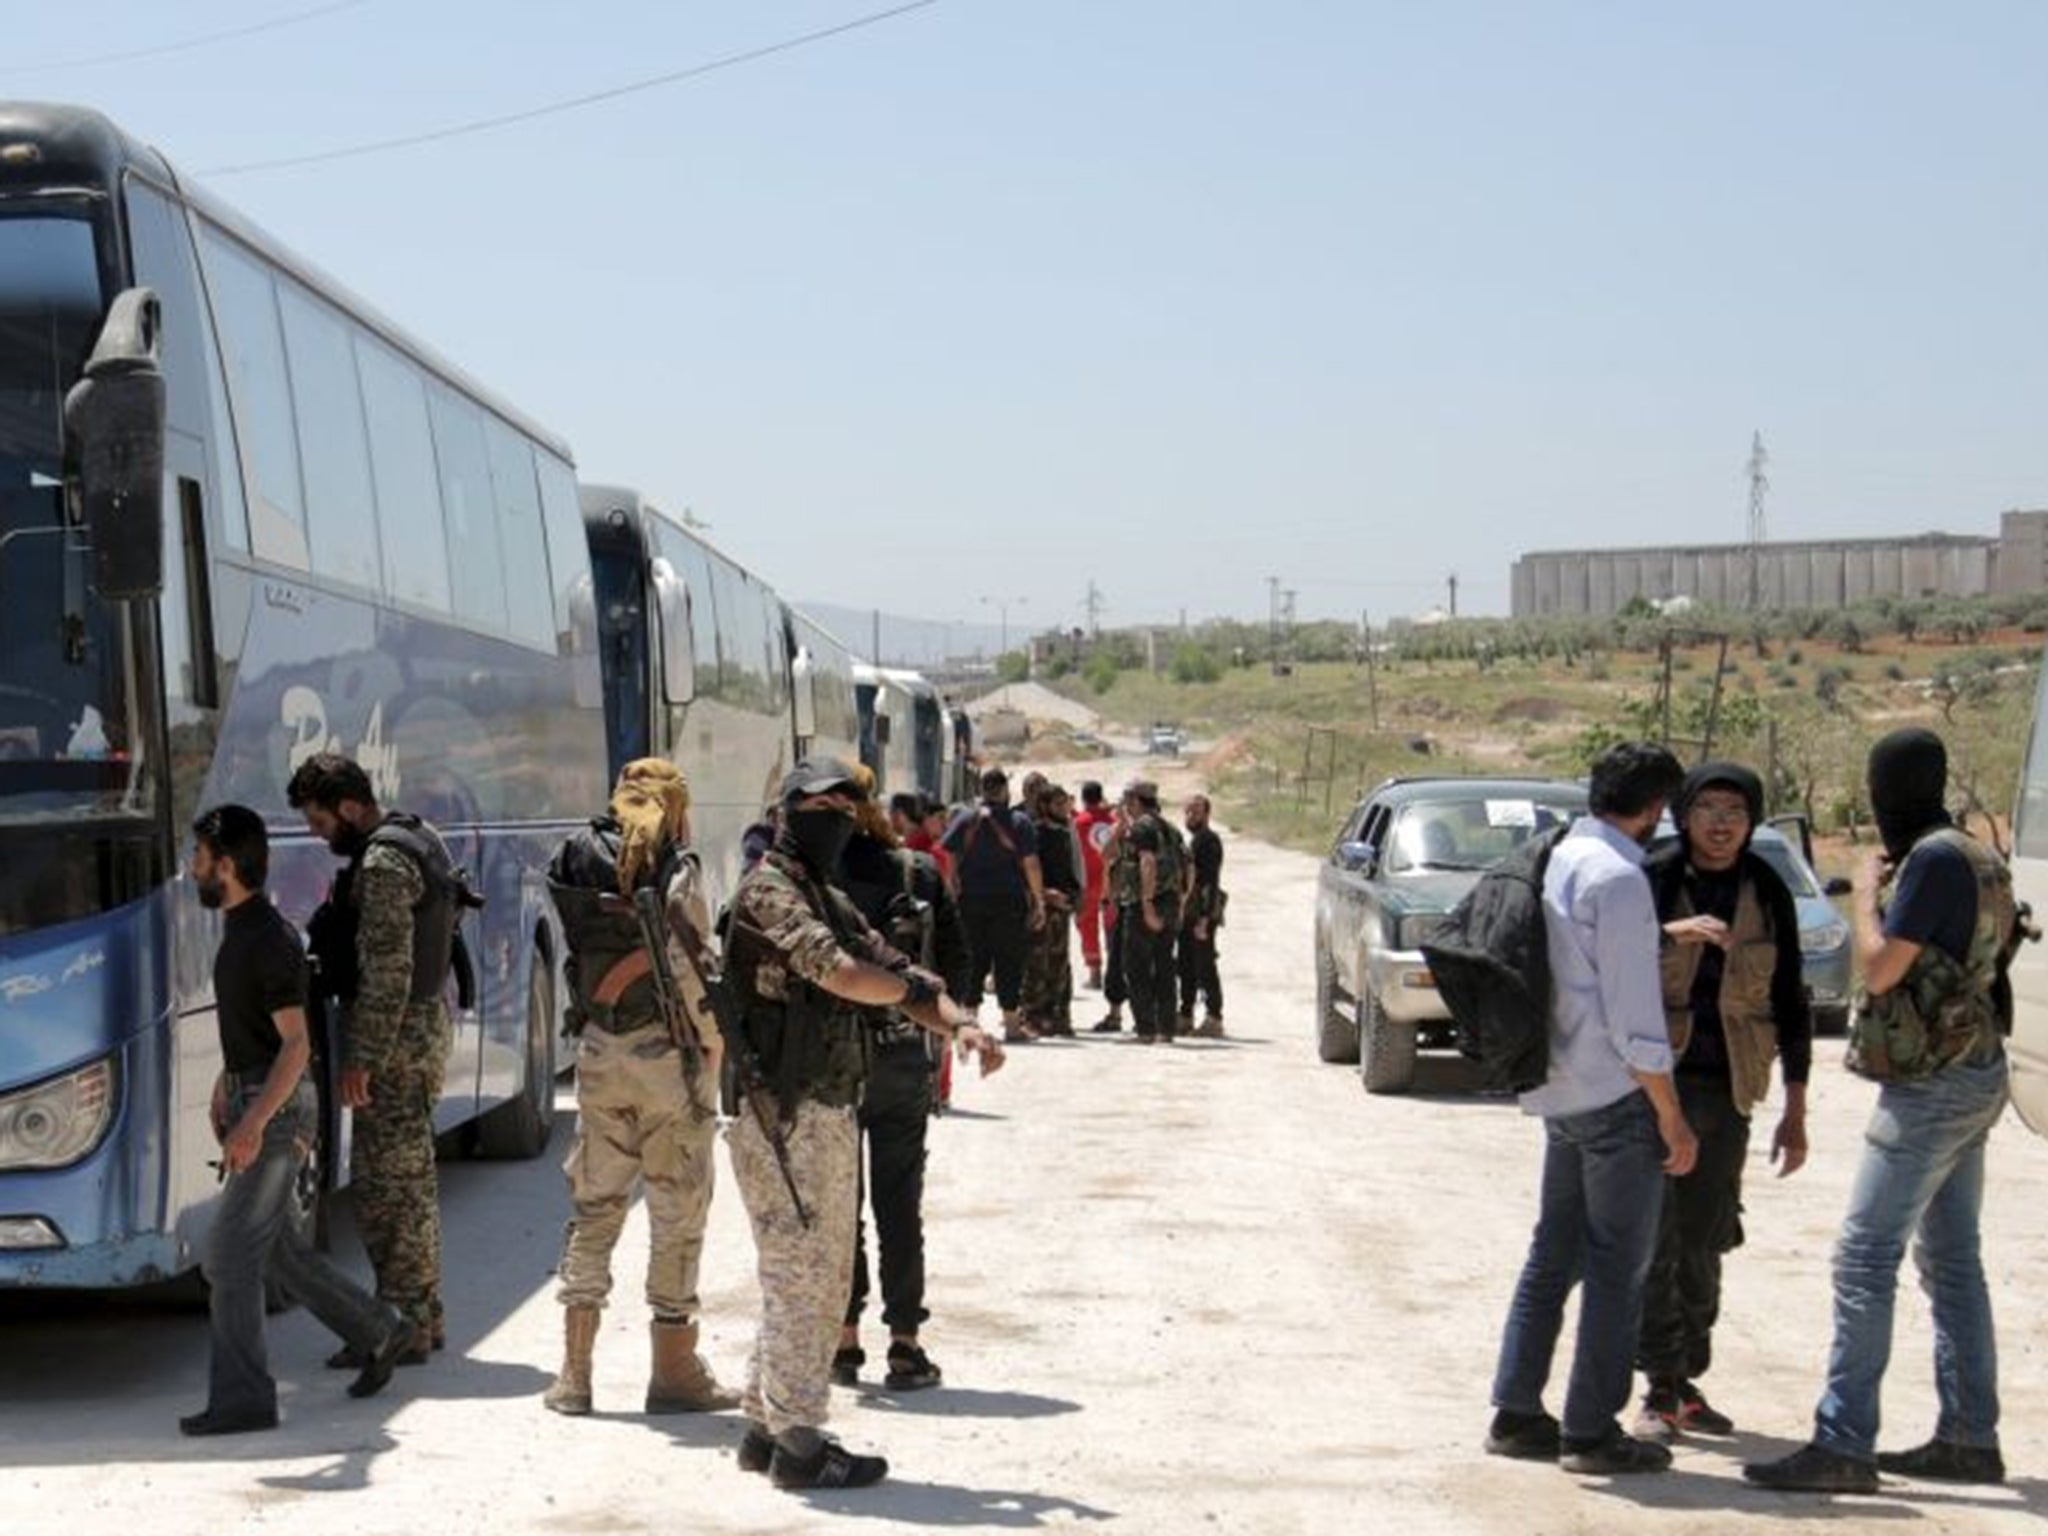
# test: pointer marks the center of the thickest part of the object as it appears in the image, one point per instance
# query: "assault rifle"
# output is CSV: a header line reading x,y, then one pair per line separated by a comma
x,y
667,995
753,1087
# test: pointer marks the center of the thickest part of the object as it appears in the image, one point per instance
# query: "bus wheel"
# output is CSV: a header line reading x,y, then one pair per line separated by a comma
x,y
521,1126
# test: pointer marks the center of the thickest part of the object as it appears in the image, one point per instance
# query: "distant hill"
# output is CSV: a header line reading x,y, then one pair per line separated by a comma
x,y
906,641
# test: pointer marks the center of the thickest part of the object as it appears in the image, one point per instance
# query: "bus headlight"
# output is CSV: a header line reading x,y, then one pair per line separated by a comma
x,y
1830,935
54,1124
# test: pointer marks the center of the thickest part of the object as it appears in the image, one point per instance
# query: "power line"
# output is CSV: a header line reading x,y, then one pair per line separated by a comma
x,y
186,45
572,103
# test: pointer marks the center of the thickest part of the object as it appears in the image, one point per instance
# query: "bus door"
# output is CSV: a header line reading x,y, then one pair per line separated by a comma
x,y
498,995
621,589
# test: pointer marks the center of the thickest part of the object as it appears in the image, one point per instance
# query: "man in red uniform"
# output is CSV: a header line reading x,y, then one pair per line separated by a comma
x,y
1095,821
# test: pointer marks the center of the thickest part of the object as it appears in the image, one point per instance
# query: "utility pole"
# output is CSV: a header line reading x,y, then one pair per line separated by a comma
x,y
1273,623
1452,583
1759,483
1094,604
1372,671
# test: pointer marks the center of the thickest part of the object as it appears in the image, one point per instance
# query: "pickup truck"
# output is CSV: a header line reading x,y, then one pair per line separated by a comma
x,y
1406,855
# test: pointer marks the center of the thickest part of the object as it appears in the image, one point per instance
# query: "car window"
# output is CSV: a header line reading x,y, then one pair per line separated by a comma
x,y
1790,866
1466,833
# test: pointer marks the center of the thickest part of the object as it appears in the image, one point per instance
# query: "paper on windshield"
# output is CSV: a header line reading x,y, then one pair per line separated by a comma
x,y
1511,813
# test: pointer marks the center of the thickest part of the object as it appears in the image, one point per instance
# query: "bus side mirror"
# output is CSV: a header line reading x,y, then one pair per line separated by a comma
x,y
678,652
800,673
114,441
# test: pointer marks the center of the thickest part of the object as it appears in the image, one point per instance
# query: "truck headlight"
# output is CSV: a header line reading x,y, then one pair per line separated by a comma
x,y
1817,941
54,1124
1417,929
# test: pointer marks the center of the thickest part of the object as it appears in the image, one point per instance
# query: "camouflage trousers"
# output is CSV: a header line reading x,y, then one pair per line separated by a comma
x,y
1049,968
391,1166
638,1122
806,1274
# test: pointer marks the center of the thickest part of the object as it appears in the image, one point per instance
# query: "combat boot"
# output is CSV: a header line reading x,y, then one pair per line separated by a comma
x,y
681,1381
570,1392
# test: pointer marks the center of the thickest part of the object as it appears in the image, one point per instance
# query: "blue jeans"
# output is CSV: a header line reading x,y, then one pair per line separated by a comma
x,y
1603,1189
1922,1175
253,1239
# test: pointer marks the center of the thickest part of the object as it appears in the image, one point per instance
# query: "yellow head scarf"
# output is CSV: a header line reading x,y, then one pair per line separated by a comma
x,y
868,815
651,801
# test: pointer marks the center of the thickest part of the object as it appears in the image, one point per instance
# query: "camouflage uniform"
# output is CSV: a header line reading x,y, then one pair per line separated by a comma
x,y
779,940
640,1120
403,1045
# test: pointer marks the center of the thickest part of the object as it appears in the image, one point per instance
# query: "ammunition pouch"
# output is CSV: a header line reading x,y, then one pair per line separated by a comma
x,y
808,1052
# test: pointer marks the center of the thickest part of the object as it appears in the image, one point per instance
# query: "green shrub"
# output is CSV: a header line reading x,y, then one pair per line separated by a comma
x,y
1101,672
1193,664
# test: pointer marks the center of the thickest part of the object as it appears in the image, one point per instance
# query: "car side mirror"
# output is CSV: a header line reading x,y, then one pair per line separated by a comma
x,y
1359,858
1839,885
114,446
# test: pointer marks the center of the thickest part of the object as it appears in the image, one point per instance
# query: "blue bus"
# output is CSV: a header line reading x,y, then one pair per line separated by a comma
x,y
360,550
699,665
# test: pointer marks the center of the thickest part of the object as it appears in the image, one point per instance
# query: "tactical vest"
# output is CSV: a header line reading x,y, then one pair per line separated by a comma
x,y
439,908
601,934
1941,1012
333,928
1747,966
810,1045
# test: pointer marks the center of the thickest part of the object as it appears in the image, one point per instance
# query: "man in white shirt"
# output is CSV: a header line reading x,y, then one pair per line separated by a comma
x,y
1612,1127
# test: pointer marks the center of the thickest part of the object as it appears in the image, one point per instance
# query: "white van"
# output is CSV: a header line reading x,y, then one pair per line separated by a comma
x,y
2030,966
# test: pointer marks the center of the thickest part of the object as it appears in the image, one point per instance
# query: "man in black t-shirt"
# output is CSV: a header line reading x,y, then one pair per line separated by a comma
x,y
264,1111
1002,896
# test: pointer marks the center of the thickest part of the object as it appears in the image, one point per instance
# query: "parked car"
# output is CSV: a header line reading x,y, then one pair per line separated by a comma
x,y
1406,855
1825,948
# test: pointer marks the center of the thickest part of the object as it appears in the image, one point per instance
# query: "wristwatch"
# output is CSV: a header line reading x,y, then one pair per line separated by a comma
x,y
917,991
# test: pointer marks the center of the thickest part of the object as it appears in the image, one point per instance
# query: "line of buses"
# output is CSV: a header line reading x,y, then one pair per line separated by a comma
x,y
244,519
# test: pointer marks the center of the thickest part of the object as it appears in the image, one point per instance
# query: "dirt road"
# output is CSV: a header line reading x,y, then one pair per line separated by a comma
x,y
1213,1288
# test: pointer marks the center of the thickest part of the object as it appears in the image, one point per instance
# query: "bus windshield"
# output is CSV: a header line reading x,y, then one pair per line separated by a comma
x,y
75,684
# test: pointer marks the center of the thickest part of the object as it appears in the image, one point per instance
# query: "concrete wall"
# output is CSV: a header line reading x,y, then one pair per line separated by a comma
x,y
1809,575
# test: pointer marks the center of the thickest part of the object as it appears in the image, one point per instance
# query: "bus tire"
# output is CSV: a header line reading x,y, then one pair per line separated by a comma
x,y
522,1125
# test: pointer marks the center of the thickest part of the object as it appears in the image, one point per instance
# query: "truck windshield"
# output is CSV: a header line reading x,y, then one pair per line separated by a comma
x,y
76,673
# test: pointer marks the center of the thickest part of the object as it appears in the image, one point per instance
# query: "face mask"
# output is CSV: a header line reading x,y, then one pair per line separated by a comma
x,y
211,893
347,841
818,838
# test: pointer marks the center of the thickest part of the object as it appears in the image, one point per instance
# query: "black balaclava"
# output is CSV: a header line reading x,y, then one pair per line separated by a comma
x,y
1721,776
1908,783
817,838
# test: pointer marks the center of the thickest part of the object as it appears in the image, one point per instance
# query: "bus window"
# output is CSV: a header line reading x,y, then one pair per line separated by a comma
x,y
529,605
402,464
341,508
568,553
477,563
260,389
196,402
694,566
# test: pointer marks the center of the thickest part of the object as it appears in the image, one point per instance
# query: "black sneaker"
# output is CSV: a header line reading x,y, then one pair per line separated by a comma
x,y
833,1466
240,1422
846,1365
1615,1454
1109,1026
1524,1436
412,1351
757,1449
376,1370
911,1369
1661,1416
1697,1416
1814,1469
1941,1461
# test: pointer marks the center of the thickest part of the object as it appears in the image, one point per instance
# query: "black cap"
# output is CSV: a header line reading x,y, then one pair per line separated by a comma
x,y
818,776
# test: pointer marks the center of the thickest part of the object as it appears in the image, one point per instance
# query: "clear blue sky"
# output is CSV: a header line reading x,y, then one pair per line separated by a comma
x,y
1179,294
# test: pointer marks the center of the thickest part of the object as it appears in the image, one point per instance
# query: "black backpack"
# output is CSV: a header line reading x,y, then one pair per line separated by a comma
x,y
1491,961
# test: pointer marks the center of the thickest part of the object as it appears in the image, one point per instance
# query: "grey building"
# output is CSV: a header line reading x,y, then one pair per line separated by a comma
x,y
1824,573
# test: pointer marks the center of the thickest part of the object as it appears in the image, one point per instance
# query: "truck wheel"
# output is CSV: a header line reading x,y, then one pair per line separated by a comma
x,y
521,1126
1336,1030
1387,1049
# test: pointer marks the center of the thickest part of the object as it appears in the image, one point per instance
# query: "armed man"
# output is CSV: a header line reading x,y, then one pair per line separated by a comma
x,y
800,963
646,1080
1162,887
391,919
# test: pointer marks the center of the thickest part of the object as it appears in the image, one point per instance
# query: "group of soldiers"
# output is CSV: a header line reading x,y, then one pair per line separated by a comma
x,y
1161,904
